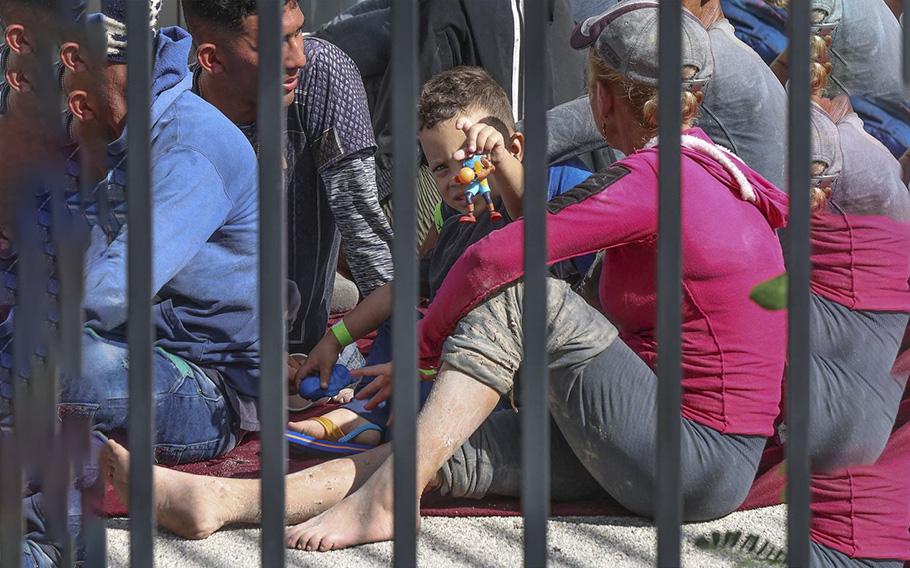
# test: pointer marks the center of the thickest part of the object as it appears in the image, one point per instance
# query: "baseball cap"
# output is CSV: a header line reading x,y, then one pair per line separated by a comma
x,y
825,143
626,37
832,12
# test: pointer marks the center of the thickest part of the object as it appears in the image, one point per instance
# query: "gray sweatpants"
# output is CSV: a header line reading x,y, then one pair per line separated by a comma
x,y
603,402
854,396
820,556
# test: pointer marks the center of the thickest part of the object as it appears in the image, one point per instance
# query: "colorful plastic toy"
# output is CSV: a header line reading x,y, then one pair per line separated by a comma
x,y
474,175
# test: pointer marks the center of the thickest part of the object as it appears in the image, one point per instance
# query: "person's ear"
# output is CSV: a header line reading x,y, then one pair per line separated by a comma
x,y
16,39
71,57
77,101
18,81
517,146
207,56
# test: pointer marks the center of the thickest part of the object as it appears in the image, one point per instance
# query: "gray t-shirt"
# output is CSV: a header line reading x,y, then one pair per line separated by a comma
x,y
745,106
866,53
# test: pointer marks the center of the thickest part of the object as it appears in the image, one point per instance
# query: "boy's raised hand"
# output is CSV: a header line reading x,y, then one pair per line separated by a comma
x,y
481,139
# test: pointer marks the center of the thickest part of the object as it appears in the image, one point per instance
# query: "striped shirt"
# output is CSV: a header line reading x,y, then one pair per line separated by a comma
x,y
332,198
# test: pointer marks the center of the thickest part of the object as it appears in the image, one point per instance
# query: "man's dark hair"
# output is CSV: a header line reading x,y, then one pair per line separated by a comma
x,y
458,91
226,14
10,9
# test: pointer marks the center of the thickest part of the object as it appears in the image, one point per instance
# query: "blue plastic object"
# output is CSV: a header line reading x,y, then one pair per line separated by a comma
x,y
310,388
759,25
892,130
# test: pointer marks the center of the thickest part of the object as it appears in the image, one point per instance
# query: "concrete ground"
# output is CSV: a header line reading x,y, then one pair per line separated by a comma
x,y
475,542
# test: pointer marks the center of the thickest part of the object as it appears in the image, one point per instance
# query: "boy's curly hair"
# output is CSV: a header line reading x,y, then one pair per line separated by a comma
x,y
459,90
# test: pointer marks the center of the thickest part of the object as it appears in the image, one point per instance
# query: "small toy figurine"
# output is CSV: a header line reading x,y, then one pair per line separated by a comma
x,y
474,175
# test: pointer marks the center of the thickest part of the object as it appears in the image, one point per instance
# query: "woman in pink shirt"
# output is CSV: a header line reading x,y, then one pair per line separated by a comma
x,y
603,388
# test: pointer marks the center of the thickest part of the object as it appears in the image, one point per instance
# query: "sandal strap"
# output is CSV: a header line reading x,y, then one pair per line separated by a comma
x,y
332,432
367,427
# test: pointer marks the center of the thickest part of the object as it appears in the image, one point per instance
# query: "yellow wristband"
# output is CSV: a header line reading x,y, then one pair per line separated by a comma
x,y
341,333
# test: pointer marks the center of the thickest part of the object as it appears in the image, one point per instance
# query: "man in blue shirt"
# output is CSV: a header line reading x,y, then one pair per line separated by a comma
x,y
204,273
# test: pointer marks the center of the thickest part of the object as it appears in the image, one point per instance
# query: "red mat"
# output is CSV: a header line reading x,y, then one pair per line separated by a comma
x,y
243,462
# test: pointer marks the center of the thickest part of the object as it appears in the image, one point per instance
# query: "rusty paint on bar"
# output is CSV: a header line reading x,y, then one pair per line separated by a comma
x,y
535,424
140,335
798,268
272,277
669,292
404,326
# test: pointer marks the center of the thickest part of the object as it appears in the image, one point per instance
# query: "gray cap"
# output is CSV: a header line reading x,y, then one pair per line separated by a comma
x,y
626,38
825,143
833,11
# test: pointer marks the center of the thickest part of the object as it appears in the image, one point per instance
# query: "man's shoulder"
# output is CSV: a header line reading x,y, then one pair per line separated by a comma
x,y
321,53
195,125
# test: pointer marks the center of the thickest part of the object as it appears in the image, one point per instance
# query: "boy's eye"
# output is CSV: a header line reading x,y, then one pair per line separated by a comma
x,y
440,169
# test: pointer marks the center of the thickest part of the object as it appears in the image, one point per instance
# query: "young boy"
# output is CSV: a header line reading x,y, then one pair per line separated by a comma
x,y
462,113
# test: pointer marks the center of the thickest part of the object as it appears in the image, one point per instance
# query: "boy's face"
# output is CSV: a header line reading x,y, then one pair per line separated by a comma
x,y
439,145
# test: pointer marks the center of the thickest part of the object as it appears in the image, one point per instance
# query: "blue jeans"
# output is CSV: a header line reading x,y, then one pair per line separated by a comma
x,y
193,421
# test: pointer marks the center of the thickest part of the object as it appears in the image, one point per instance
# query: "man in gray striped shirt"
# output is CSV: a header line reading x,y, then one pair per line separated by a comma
x,y
330,171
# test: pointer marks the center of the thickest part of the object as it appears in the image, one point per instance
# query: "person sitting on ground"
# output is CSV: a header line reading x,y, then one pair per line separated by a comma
x,y
461,113
330,169
745,106
866,50
603,387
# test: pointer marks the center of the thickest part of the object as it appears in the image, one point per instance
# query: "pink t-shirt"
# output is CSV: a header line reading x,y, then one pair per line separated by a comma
x,y
733,351
861,239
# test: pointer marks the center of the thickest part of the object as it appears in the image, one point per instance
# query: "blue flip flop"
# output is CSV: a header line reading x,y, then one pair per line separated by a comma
x,y
310,387
343,446
376,419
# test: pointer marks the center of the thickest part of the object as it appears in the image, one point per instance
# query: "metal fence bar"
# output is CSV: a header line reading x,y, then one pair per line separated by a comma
x,y
272,276
139,277
906,58
404,327
669,290
798,269
535,422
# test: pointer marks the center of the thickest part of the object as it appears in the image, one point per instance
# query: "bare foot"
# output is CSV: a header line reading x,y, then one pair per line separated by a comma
x,y
185,504
363,517
345,419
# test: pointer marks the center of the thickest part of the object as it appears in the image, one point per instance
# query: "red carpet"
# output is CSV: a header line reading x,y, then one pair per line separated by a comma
x,y
243,462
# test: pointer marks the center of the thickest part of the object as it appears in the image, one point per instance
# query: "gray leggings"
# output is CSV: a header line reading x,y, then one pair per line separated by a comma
x,y
854,396
820,556
604,407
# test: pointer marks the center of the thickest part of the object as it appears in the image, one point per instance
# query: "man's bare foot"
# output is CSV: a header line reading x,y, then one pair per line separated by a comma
x,y
363,517
346,420
185,504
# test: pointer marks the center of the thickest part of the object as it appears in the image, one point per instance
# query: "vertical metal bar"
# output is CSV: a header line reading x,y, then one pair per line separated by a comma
x,y
139,278
798,269
535,424
272,276
11,523
404,326
906,58
669,290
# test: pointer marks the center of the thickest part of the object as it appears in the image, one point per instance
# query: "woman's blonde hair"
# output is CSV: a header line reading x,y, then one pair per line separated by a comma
x,y
642,99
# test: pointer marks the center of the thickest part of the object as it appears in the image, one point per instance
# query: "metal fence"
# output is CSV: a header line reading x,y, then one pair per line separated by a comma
x,y
535,423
